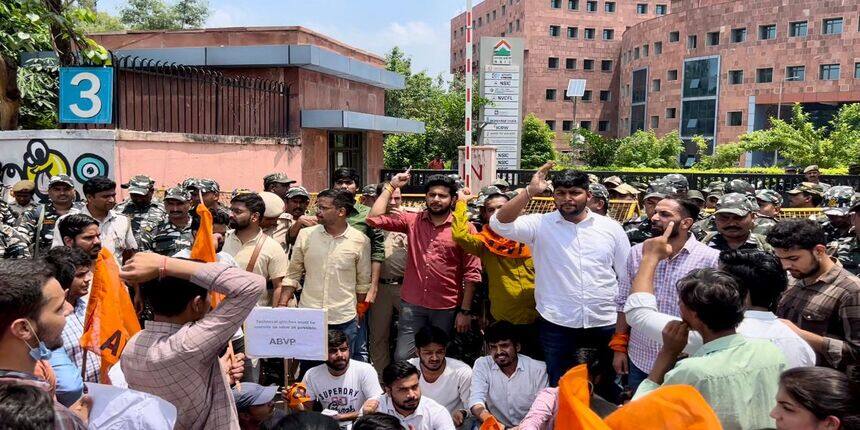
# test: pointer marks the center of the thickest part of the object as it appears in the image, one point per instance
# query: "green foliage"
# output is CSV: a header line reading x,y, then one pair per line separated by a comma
x,y
158,15
645,149
537,143
38,84
102,22
594,149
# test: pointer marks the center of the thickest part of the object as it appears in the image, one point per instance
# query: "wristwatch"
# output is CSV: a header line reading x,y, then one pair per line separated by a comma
x,y
464,311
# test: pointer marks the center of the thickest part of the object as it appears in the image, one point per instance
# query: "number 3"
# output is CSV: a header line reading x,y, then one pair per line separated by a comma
x,y
90,94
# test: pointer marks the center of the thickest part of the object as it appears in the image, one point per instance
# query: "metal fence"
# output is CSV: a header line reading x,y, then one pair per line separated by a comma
x,y
152,95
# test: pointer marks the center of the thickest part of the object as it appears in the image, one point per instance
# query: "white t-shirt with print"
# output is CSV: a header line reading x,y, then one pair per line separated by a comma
x,y
345,393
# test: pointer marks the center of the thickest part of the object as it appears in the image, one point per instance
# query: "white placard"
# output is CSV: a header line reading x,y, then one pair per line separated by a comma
x,y
498,68
504,83
505,105
508,127
498,90
514,76
503,98
287,333
490,112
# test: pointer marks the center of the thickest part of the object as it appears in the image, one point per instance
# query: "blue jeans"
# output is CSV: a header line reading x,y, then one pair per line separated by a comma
x,y
359,347
635,376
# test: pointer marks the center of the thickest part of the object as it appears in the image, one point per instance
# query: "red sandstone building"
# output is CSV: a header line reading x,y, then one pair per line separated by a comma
x,y
714,68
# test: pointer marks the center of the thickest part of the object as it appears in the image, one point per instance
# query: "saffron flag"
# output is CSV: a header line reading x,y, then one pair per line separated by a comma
x,y
203,248
672,407
574,398
110,319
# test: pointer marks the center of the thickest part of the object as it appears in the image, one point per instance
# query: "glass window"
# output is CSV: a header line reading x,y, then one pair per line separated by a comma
x,y
655,121
672,75
767,32
856,70
674,36
736,77
606,65
714,38
795,73
588,64
591,6
550,93
573,4
555,4
671,113
479,21
644,50
692,41
608,34
553,63
641,8
655,85
518,25
603,126
510,27
609,6
701,78
637,118
764,75
585,125
739,35
735,118
566,125
697,118
639,85
570,63
660,9
586,96
554,30
551,124
635,53
798,29
605,96
572,32
589,34
658,48
832,26
829,72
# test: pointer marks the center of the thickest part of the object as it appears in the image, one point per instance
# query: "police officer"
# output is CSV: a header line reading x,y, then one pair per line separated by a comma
x,y
23,192
173,233
813,175
698,198
599,201
678,181
368,195
714,190
806,195
502,184
639,229
847,249
13,244
735,218
37,224
769,205
278,183
612,182
837,203
708,225
140,209
210,193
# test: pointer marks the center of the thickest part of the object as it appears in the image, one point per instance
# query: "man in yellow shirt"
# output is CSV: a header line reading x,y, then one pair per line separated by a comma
x,y
508,265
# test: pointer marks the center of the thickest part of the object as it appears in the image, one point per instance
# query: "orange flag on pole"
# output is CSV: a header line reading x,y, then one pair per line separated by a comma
x,y
203,248
110,319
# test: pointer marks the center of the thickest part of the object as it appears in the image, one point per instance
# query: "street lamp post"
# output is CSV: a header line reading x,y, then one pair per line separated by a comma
x,y
779,107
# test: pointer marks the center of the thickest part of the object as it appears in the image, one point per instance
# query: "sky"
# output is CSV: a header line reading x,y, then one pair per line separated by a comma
x,y
419,27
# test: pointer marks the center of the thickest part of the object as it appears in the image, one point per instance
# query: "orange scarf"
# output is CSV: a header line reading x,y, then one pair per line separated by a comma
x,y
503,247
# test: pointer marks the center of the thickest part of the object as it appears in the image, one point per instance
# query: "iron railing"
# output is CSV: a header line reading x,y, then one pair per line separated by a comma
x,y
151,95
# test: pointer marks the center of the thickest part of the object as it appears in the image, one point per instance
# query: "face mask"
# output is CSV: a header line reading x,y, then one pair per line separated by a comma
x,y
40,352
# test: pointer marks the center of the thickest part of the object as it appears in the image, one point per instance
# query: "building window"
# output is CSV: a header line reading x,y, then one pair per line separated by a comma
x,y
674,36
763,76
551,124
829,72
692,41
572,32
713,38
699,100
605,96
798,29
739,35
644,50
494,15
552,63
554,30
655,121
566,125
856,70
608,34
518,25
736,77
606,65
479,21
589,34
550,93
570,63
587,64
609,7
503,9
832,26
767,32
735,118
671,113
573,4
660,9
603,126
555,4
658,48
510,27
586,96
635,53
655,85
672,75
585,125
591,6
795,73
641,8
639,91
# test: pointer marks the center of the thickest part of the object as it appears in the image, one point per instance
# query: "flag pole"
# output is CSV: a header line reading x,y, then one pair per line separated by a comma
x,y
467,175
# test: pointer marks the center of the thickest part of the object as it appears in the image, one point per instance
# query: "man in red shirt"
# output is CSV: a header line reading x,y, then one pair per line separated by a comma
x,y
440,277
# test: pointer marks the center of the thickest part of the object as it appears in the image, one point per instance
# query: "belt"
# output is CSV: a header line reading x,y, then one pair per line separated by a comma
x,y
391,281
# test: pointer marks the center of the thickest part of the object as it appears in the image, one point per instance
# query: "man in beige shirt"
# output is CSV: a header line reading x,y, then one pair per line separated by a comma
x,y
339,258
246,211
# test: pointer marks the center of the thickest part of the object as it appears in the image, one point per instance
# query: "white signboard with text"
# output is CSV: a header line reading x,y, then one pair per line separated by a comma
x,y
287,333
501,79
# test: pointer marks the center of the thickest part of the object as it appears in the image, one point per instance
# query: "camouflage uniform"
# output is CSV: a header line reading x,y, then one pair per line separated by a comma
x,y
755,241
837,203
814,168
7,217
740,205
598,191
763,223
13,244
138,216
639,229
847,251
207,186
703,227
679,181
164,237
33,230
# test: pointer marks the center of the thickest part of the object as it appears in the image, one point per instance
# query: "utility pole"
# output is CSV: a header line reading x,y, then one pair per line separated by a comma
x,y
467,176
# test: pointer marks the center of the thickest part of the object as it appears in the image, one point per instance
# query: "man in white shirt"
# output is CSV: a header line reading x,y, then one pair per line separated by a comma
x,y
443,379
505,382
760,276
403,400
341,385
579,258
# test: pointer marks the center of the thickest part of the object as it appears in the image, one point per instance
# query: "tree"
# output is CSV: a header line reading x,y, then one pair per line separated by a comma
x,y
190,13
645,149
158,15
594,150
537,143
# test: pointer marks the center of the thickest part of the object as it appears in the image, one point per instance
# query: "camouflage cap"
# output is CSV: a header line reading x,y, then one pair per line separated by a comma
x,y
695,195
612,180
206,185
808,187
739,186
177,193
639,186
298,192
734,203
599,191
61,179
811,168
837,200
769,196
489,190
280,178
715,187
626,190
501,182
237,191
855,203
369,190
678,180
660,188
139,184
189,183
592,178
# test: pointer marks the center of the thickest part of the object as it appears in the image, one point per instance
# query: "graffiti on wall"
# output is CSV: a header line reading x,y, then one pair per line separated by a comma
x,y
38,162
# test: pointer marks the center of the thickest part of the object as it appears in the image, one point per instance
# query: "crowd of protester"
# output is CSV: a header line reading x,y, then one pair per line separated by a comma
x,y
463,313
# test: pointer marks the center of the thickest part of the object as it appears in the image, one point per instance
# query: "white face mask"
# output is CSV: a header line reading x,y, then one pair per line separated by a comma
x,y
40,352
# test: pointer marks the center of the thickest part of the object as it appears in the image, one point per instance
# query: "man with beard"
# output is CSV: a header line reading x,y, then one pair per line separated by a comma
x,y
37,224
171,235
806,195
822,300
33,312
220,221
297,202
139,208
278,183
443,379
634,352
579,257
735,219
505,382
341,384
403,400
639,229
22,192
252,249
769,206
847,249
439,282
81,231
812,174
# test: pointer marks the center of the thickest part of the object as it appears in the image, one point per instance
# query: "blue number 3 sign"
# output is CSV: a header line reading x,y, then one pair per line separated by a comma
x,y
86,95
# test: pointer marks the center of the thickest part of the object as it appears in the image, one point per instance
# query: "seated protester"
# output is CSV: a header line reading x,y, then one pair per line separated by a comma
x,y
443,379
33,312
816,398
377,421
505,382
761,280
255,405
341,384
176,356
735,375
403,400
25,407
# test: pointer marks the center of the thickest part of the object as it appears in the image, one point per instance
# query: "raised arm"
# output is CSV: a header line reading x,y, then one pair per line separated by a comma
x,y
512,209
381,204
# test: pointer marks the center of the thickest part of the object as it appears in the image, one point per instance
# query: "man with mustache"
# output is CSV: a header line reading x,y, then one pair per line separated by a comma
x,y
505,382
174,233
37,224
140,208
341,384
81,231
403,400
822,299
443,379
735,219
